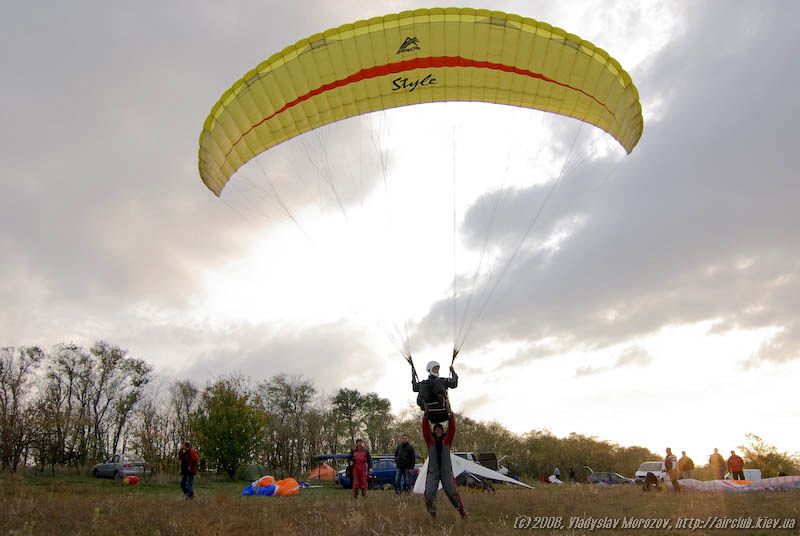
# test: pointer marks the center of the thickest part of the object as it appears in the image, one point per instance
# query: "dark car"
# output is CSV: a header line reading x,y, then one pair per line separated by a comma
x,y
608,478
383,472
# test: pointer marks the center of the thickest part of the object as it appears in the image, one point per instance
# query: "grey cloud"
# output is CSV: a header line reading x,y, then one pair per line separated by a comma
x,y
587,371
103,207
472,405
634,356
331,355
536,350
698,223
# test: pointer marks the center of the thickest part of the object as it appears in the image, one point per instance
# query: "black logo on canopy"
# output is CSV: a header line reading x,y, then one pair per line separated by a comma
x,y
409,45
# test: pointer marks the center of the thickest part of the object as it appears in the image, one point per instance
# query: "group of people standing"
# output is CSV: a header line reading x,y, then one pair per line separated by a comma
x,y
360,465
678,468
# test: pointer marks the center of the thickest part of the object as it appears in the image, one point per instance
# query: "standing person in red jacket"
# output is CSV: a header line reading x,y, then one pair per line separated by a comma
x,y
190,461
361,463
440,468
736,466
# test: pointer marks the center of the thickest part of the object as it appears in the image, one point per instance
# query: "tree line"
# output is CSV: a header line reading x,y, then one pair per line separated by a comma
x,y
71,407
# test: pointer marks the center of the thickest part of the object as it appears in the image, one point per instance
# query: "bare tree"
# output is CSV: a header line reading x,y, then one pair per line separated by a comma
x,y
85,403
150,433
17,367
64,407
287,402
184,396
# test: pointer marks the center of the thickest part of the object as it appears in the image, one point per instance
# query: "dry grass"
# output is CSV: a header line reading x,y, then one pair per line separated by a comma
x,y
75,505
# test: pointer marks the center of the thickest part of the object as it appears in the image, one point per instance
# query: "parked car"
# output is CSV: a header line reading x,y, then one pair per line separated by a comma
x,y
120,466
383,472
608,478
657,468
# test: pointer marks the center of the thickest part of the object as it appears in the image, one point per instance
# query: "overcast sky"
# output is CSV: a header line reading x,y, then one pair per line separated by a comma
x,y
655,301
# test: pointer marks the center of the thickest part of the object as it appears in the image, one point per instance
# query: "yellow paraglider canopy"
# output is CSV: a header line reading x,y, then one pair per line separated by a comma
x,y
413,57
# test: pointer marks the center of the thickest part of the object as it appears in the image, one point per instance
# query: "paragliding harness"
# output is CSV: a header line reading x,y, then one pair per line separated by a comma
x,y
432,398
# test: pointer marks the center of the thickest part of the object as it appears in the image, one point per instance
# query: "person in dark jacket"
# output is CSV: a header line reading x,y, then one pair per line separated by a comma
x,y
685,465
190,461
404,458
361,463
671,465
651,482
717,463
432,398
440,468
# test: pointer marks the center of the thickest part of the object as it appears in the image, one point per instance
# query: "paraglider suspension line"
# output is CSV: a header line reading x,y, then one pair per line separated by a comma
x,y
522,240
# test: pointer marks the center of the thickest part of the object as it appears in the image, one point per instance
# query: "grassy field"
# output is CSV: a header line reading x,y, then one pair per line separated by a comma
x,y
81,505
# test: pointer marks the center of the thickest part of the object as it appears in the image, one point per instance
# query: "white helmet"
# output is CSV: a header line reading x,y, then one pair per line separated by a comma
x,y
432,365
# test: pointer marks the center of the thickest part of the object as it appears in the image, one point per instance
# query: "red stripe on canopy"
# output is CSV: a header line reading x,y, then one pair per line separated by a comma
x,y
408,65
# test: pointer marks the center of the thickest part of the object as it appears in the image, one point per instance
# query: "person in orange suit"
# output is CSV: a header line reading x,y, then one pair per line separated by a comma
x,y
361,463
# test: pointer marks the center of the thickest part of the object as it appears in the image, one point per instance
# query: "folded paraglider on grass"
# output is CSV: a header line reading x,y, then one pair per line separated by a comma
x,y
781,483
267,486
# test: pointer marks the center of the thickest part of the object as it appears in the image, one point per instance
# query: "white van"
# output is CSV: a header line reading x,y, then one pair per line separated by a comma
x,y
749,474
657,468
